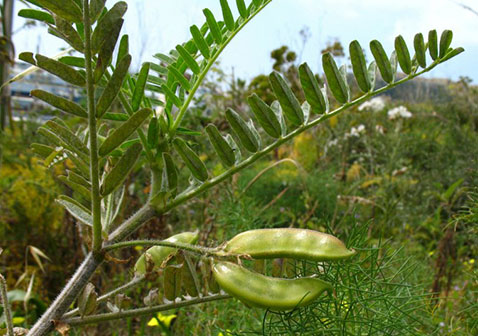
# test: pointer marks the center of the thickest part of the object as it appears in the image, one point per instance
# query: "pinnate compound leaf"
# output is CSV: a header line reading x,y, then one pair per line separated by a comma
x,y
265,116
176,74
289,103
61,103
382,61
221,146
190,61
68,138
359,66
335,79
242,131
241,7
403,55
121,170
106,25
191,159
420,50
452,54
139,87
60,70
123,132
113,87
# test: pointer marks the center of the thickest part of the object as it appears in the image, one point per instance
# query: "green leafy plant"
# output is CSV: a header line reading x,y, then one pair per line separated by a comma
x,y
108,145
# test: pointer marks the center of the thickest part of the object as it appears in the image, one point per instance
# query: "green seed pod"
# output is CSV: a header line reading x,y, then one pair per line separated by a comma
x,y
60,70
191,159
221,146
300,244
265,116
67,9
419,44
87,301
382,60
169,181
106,25
61,103
433,44
190,61
121,170
113,87
445,42
311,88
227,15
123,132
289,103
335,79
359,66
213,26
172,282
258,290
200,42
242,131
160,253
403,55
139,87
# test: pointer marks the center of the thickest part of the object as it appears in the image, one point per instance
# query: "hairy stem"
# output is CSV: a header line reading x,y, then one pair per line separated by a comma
x,y
129,226
64,300
6,306
77,321
94,169
182,246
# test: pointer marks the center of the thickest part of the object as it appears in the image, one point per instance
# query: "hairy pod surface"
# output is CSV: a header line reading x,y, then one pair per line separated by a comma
x,y
292,243
267,292
191,159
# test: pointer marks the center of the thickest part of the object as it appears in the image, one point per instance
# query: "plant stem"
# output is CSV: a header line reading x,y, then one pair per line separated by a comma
x,y
64,300
78,321
135,281
129,226
6,306
94,170
187,247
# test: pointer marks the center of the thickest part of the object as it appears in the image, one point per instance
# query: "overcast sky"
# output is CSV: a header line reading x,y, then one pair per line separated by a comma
x,y
161,24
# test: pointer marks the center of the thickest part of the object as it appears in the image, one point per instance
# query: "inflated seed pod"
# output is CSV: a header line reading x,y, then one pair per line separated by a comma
x,y
292,243
160,253
191,159
287,100
242,130
258,290
221,146
265,116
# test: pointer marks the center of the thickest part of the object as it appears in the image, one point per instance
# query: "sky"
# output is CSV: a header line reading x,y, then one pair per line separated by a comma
x,y
159,25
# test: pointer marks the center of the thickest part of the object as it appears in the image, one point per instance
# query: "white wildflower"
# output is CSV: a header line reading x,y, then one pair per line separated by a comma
x,y
356,131
399,112
375,104
380,129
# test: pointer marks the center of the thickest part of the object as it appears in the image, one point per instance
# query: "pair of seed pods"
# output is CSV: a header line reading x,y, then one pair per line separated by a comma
x,y
275,293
